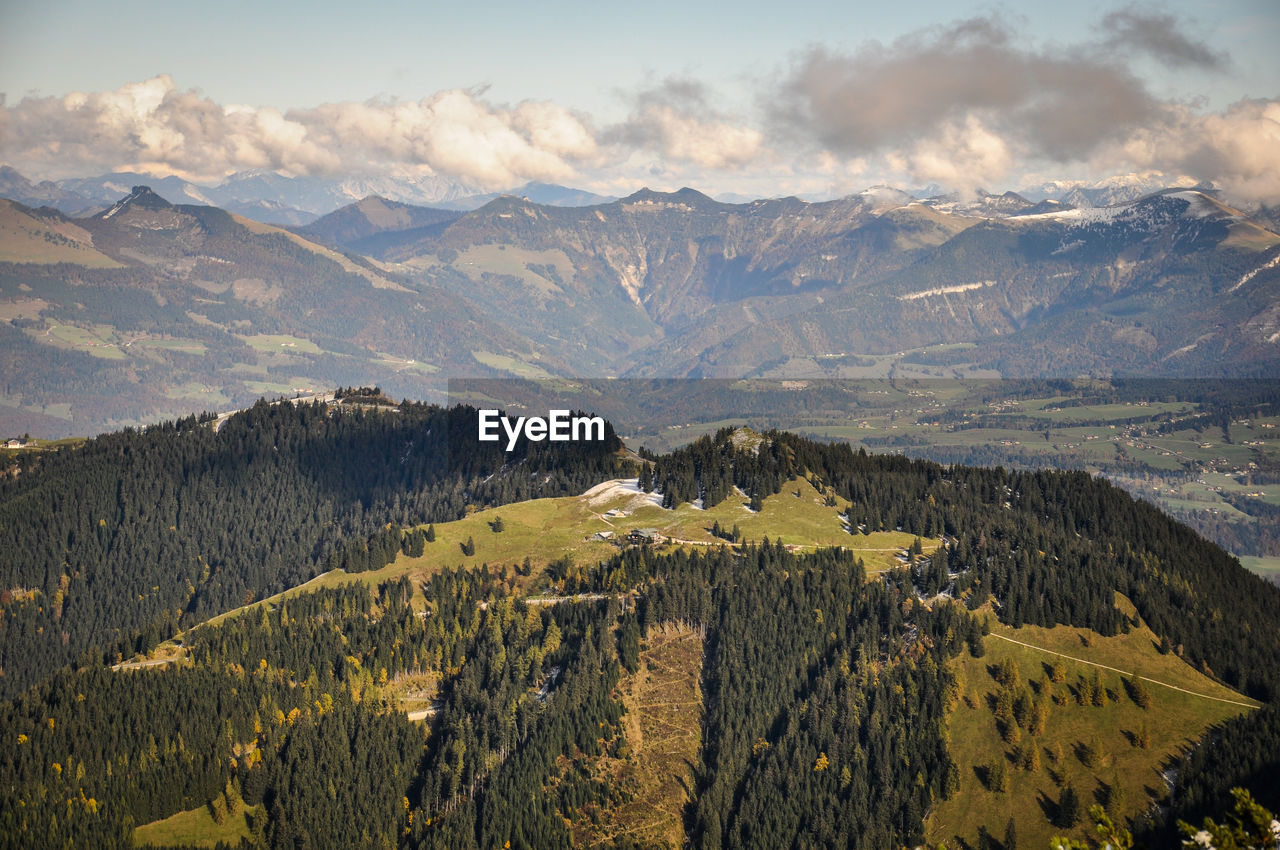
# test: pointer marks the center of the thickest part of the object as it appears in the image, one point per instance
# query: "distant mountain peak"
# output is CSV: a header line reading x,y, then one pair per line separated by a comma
x,y
982,204
881,197
683,197
376,201
690,192
15,186
141,197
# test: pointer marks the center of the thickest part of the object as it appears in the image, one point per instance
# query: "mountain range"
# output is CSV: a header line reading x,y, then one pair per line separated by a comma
x,y
270,197
145,307
295,201
679,284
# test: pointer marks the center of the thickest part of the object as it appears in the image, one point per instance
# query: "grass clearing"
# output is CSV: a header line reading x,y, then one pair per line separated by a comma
x,y
22,308
1267,567
61,410
29,238
1247,236
509,364
400,364
98,340
547,529
1162,461
1174,721
544,530
1109,412
185,346
479,260
268,388
199,392
197,828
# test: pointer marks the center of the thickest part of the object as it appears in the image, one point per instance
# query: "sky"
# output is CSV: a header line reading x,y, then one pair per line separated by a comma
x,y
804,97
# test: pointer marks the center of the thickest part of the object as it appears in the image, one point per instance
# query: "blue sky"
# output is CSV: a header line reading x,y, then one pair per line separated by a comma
x,y
730,97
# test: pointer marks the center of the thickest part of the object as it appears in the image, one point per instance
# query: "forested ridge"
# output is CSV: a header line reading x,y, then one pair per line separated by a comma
x,y
847,714
1049,546
825,693
122,541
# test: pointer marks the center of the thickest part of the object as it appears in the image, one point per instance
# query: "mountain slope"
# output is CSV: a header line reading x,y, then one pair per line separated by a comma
x,y
812,698
730,287
46,236
353,226
194,305
1145,287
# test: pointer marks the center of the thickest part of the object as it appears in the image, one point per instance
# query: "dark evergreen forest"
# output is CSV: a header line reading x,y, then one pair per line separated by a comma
x,y
117,544
825,693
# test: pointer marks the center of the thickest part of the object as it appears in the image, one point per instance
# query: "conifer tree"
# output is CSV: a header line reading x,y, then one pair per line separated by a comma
x,y
1068,807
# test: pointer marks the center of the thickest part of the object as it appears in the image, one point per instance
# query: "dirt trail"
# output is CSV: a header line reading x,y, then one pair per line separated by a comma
x,y
1127,673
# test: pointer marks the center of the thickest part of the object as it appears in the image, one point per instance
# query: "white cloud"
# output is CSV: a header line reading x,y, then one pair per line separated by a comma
x,y
689,138
676,121
975,104
963,154
1237,149
155,124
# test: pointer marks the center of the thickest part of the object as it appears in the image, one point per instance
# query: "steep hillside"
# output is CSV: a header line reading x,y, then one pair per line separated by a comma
x,y
170,307
1104,716
46,237
352,226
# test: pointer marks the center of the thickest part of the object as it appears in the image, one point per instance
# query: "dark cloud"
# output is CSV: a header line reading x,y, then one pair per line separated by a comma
x,y
976,101
1159,35
1058,103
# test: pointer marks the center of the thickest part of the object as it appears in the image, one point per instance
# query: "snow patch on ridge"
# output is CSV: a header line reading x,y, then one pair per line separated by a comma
x,y
946,290
1248,276
608,491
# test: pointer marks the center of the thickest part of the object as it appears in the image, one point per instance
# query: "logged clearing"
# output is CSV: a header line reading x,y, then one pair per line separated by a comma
x,y
1092,747
663,726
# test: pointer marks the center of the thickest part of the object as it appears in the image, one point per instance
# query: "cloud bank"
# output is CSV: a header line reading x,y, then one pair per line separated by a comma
x,y
972,103
157,126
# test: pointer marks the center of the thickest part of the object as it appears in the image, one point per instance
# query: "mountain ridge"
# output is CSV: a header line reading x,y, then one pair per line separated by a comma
x,y
651,285
272,197
985,642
